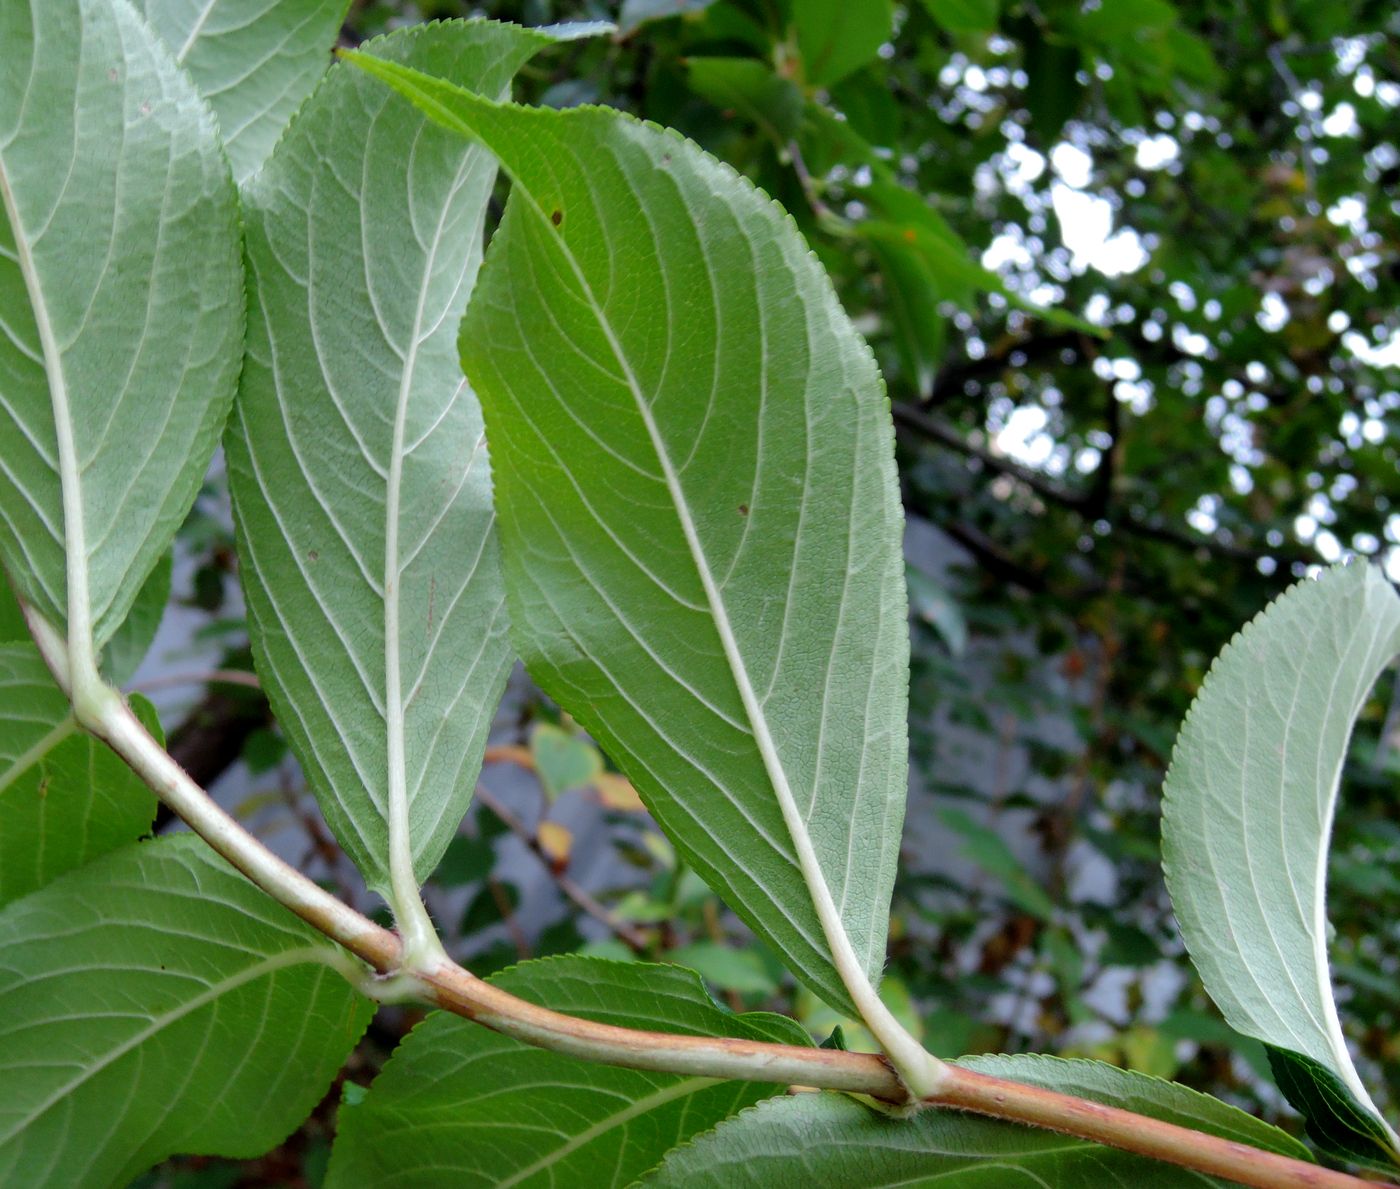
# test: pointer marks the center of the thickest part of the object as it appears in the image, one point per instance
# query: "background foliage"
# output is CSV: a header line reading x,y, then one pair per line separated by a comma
x,y
1205,196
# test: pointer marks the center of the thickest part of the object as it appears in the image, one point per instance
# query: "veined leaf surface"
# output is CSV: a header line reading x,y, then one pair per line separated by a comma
x,y
65,797
1250,800
255,61
838,1143
121,299
357,461
700,522
458,1105
128,645
154,1002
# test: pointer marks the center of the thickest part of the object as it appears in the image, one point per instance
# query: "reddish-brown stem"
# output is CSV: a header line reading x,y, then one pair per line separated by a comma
x,y
1118,1128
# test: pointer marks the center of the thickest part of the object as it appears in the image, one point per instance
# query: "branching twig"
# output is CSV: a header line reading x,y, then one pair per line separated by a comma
x,y
633,938
102,711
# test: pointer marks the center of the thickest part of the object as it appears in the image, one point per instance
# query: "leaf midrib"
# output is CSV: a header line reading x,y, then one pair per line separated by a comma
x,y
401,867
848,965
79,608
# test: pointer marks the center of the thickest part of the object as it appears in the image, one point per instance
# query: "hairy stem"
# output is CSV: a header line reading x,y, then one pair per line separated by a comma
x,y
107,716
1118,1128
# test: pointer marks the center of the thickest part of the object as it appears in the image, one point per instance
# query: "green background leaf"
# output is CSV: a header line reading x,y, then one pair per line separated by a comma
x,y
458,1105
12,625
836,37
1336,1122
564,760
357,462
838,1143
700,523
255,61
65,797
129,643
1250,799
120,299
153,1002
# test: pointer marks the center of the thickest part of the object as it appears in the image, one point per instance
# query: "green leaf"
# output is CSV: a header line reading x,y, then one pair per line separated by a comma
x,y
156,1002
905,223
965,16
1250,799
836,37
700,521
129,643
12,625
989,850
932,602
728,969
460,1106
564,760
912,297
65,797
958,274
121,299
1335,1121
357,465
1053,91
256,61
750,88
838,1143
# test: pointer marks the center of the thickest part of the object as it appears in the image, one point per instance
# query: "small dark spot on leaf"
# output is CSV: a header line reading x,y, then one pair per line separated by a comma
x,y
112,74
743,509
313,555
665,158
557,217
146,108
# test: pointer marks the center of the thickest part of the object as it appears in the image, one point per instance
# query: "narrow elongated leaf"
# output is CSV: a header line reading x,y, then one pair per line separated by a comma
x,y
154,1002
256,61
65,797
357,462
120,303
460,1106
1250,800
701,527
838,1143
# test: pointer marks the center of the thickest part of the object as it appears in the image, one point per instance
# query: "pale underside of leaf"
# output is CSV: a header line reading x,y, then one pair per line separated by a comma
x,y
696,485
153,1002
255,61
460,1106
357,459
120,306
1250,800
